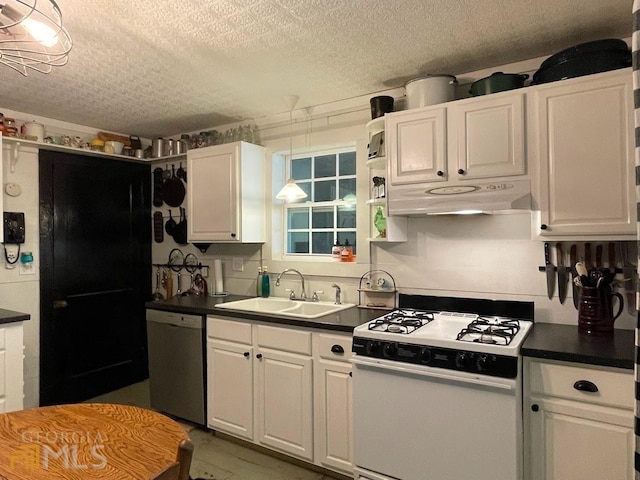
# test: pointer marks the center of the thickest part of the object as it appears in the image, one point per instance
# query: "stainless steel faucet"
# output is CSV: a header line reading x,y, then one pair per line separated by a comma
x,y
303,294
338,292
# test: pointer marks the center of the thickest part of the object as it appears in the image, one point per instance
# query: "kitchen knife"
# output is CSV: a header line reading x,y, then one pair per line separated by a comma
x,y
563,274
573,258
587,256
612,257
599,257
551,274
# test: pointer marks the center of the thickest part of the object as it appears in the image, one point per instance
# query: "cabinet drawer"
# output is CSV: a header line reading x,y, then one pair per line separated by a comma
x,y
289,340
615,388
329,347
232,331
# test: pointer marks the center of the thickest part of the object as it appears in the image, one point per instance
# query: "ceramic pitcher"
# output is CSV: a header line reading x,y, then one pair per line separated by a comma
x,y
595,311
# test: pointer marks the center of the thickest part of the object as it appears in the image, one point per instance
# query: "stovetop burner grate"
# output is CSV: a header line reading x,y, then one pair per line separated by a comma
x,y
401,321
490,331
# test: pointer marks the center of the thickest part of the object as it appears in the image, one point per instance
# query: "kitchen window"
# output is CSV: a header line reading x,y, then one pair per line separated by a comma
x,y
328,213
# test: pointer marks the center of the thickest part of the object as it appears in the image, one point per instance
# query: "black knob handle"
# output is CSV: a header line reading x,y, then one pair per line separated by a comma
x,y
351,374
246,354
259,356
461,171
535,407
337,349
543,227
233,235
440,173
585,386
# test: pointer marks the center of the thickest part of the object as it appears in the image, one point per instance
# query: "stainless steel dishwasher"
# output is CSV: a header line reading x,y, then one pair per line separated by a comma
x,y
176,364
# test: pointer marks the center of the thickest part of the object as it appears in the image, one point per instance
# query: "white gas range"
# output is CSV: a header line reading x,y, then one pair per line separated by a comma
x,y
438,396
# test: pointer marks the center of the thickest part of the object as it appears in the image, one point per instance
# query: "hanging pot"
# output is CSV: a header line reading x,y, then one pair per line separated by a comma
x,y
170,226
180,232
498,82
173,190
430,90
584,59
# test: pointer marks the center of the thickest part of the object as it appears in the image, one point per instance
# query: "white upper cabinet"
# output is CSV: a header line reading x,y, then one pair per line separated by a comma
x,y
581,139
226,193
480,137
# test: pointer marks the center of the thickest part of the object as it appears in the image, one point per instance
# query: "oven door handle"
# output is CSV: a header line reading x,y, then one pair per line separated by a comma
x,y
425,371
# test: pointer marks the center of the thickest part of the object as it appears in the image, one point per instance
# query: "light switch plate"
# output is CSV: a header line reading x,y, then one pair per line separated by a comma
x,y
237,264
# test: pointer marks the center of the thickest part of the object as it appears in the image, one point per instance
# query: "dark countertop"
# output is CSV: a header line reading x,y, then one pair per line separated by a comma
x,y
344,321
9,316
563,342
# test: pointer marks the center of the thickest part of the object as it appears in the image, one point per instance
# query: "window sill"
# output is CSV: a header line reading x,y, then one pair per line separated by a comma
x,y
320,267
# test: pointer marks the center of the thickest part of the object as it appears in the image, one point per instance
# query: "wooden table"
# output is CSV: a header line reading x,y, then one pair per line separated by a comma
x,y
87,441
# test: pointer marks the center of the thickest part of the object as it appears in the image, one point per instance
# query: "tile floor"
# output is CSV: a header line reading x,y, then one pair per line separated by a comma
x,y
216,458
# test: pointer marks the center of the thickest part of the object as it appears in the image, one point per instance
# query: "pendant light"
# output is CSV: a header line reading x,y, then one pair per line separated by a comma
x,y
32,36
291,191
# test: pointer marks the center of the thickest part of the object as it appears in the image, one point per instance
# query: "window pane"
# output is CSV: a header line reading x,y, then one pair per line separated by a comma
x,y
322,218
351,236
298,242
325,191
301,168
347,217
298,218
348,163
325,166
322,242
347,189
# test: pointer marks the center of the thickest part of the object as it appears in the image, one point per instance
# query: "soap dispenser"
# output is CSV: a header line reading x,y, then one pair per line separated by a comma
x,y
266,285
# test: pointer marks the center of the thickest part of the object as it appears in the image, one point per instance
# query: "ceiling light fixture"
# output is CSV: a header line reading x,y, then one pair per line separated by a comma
x,y
32,36
291,192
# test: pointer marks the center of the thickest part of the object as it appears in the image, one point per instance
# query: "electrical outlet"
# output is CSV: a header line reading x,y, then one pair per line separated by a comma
x,y
27,269
237,264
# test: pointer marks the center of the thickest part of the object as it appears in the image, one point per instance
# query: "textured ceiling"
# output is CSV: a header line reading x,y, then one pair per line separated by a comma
x,y
161,67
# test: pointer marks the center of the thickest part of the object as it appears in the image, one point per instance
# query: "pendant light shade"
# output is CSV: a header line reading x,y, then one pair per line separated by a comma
x,y
32,36
291,192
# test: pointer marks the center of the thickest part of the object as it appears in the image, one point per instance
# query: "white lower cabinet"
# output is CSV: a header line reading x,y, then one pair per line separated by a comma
x,y
573,433
333,394
282,388
11,367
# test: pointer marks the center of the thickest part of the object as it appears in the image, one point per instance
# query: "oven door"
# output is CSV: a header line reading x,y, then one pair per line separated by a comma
x,y
413,422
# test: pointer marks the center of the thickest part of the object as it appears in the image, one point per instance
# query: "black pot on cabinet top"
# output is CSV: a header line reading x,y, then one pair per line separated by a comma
x,y
381,105
498,82
584,59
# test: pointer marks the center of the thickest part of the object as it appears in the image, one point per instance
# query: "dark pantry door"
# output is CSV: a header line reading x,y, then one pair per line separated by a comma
x,y
95,250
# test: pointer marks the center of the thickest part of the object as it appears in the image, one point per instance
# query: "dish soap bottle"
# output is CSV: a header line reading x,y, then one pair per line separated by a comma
x,y
259,283
266,286
335,250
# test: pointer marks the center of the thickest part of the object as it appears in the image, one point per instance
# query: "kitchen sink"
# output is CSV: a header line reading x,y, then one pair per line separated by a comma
x,y
285,307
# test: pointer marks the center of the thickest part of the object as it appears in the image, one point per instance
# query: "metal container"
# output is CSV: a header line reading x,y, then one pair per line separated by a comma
x,y
157,147
179,147
167,148
430,90
498,82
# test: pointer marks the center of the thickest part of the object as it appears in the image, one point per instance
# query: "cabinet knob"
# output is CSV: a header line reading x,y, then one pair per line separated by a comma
x,y
585,386
543,226
259,356
246,354
351,374
461,171
440,173
337,349
535,407
233,235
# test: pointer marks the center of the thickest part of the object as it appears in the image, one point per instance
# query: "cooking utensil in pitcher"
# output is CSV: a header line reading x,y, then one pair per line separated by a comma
x,y
157,296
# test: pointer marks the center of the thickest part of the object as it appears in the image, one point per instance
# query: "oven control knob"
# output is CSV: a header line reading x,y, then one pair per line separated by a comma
x,y
482,363
425,355
389,349
371,347
462,360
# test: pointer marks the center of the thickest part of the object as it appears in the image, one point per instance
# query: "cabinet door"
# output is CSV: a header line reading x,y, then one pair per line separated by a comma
x,y
416,146
285,404
583,138
488,136
334,416
574,441
212,194
230,388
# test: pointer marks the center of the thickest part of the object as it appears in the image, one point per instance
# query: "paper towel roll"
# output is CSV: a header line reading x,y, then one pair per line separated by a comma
x,y
217,276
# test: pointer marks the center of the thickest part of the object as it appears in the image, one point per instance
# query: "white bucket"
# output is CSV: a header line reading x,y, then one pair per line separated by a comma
x,y
430,90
